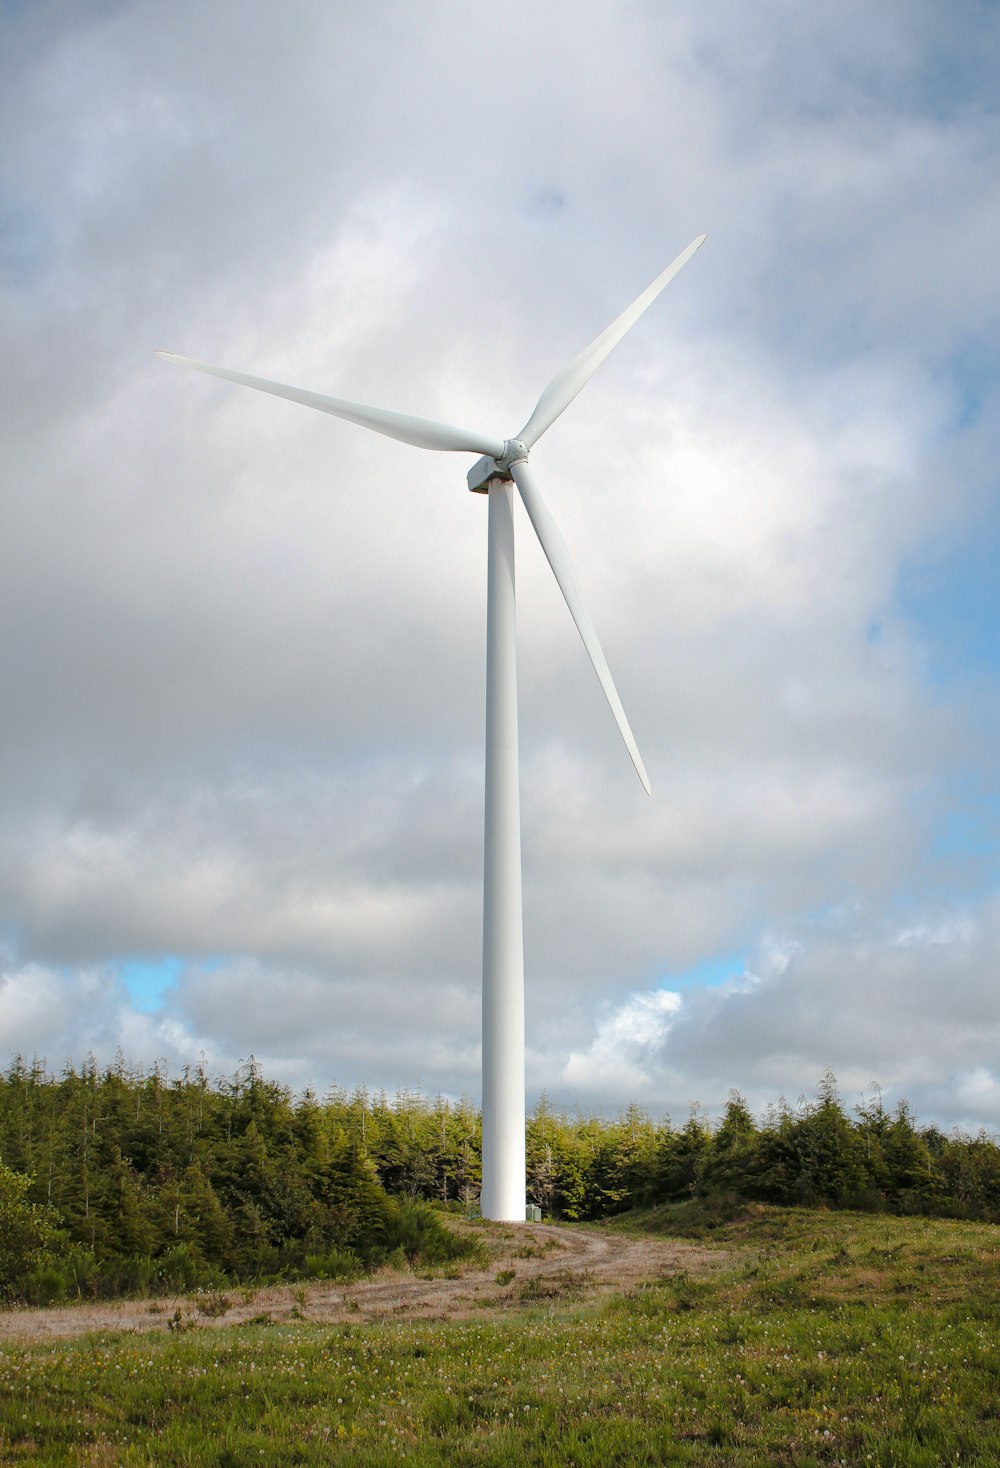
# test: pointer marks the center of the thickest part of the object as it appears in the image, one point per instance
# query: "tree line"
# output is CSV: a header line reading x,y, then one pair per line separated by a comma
x,y
118,1179
121,1181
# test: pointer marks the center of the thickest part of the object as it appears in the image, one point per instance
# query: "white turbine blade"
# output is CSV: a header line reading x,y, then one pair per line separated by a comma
x,y
423,433
566,384
558,557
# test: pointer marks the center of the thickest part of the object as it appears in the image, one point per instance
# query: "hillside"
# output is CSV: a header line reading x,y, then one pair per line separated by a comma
x,y
794,1336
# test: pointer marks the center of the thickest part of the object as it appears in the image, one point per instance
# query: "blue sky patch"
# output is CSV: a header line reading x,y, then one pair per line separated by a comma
x,y
147,979
708,974
956,606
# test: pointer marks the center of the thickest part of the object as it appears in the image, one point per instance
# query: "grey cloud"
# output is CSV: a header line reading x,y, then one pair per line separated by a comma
x,y
242,645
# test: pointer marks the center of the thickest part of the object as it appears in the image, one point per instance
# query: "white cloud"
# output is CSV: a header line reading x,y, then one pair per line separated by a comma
x,y
979,1091
614,1064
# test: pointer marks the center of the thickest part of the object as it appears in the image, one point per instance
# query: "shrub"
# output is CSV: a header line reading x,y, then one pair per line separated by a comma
x,y
29,1235
45,1285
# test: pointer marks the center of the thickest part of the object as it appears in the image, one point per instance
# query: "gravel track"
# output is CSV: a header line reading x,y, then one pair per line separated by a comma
x,y
532,1264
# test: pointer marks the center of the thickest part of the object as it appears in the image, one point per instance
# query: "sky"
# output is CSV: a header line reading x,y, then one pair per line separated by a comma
x,y
242,645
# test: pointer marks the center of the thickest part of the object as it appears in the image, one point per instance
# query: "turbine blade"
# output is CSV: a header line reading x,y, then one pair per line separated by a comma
x,y
566,384
423,433
558,557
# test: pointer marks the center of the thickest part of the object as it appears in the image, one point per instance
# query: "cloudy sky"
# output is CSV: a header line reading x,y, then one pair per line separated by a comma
x,y
242,644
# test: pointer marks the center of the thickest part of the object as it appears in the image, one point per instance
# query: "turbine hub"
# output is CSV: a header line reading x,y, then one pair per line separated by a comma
x,y
514,452
485,469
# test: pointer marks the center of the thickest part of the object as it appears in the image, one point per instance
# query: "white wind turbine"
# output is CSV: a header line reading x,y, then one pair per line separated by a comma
x,y
505,461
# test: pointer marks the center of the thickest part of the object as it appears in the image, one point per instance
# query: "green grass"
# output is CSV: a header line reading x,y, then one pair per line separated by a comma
x,y
828,1338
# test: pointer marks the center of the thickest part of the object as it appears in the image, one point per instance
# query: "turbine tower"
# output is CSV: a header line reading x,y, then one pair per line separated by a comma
x,y
504,463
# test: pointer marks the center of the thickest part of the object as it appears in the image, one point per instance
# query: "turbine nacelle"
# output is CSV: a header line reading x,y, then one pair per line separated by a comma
x,y
485,469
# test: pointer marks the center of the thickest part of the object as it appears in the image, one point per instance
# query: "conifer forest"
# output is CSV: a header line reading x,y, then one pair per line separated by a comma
x,y
118,1180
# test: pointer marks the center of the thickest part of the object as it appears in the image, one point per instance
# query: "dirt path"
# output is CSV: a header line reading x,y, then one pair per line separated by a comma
x,y
533,1263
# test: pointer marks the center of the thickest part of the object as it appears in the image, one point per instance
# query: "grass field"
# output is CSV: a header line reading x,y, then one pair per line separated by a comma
x,y
826,1338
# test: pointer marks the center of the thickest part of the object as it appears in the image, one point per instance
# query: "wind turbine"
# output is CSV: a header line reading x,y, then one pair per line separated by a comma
x,y
504,461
